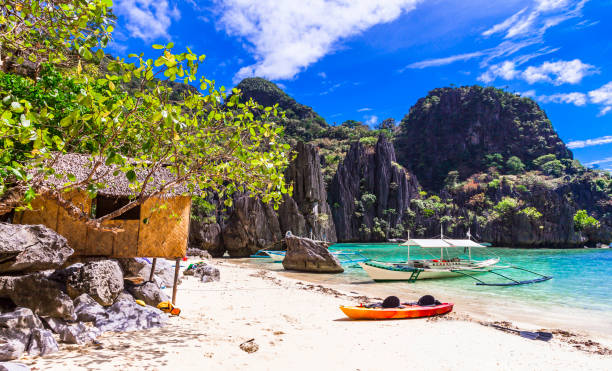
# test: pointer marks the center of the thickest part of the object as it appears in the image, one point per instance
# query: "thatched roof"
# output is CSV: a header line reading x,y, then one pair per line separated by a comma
x,y
80,166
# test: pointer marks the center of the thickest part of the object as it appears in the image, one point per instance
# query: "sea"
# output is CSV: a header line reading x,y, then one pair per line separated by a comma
x,y
579,296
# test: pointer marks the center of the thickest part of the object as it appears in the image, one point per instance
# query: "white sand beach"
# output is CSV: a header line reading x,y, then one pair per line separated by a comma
x,y
298,326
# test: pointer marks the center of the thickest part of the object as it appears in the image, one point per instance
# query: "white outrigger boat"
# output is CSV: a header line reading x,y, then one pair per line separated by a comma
x,y
446,266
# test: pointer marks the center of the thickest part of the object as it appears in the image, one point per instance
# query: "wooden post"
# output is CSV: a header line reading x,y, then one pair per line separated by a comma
x,y
152,269
176,274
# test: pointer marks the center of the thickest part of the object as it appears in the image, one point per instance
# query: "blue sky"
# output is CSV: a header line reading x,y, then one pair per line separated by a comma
x,y
369,60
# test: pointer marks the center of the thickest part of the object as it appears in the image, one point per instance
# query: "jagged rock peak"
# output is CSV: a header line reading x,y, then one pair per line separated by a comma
x,y
370,193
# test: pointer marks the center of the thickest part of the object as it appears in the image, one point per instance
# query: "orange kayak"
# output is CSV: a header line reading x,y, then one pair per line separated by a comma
x,y
412,311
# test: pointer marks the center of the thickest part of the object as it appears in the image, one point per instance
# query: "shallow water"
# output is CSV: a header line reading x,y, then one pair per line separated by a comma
x,y
579,295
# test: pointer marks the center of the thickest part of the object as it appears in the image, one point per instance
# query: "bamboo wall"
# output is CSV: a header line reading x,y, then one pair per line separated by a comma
x,y
161,232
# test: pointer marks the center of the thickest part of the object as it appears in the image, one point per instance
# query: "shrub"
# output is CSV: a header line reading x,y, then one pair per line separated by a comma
x,y
368,200
554,168
538,162
583,220
494,160
514,165
531,212
507,206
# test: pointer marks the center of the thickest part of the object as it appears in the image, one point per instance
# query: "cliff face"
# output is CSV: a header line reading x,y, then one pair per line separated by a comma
x,y
455,129
370,194
307,213
250,225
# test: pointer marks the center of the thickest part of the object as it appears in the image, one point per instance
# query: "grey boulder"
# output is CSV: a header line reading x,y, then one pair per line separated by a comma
x,y
39,293
148,292
206,272
11,348
306,255
12,366
127,315
42,343
31,248
87,309
102,280
72,333
141,267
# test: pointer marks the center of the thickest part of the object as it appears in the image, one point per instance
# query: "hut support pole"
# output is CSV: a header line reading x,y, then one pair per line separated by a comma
x,y
176,274
152,269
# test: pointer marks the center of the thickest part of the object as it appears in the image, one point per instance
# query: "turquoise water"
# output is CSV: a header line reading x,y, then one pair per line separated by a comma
x,y
582,278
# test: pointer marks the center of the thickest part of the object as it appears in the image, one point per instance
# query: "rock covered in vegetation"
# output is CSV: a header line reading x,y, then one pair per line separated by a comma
x,y
38,292
102,280
306,255
370,193
455,128
31,248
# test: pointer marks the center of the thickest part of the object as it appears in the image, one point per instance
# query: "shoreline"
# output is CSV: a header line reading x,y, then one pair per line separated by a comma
x,y
298,324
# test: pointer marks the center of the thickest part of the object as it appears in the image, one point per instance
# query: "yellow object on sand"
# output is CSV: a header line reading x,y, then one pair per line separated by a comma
x,y
140,302
167,307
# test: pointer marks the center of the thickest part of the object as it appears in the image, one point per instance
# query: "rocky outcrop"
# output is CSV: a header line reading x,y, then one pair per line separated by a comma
x,y
72,333
102,280
370,193
87,309
206,272
31,248
206,236
127,315
251,226
306,212
39,293
306,255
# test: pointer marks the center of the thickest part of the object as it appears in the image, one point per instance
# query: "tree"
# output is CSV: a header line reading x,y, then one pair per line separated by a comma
x,y
387,124
494,160
514,165
451,179
209,142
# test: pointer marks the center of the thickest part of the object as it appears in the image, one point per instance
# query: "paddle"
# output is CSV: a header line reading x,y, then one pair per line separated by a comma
x,y
538,335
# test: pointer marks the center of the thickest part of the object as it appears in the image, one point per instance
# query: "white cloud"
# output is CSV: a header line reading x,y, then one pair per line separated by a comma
x,y
147,19
597,162
287,36
505,24
578,99
322,75
528,94
557,73
561,72
590,142
371,120
602,96
365,109
443,61
505,70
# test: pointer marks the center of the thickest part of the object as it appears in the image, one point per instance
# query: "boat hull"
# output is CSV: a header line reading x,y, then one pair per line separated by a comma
x,y
382,274
414,311
276,256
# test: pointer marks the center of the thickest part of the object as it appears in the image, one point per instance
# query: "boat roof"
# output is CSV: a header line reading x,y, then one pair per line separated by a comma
x,y
441,243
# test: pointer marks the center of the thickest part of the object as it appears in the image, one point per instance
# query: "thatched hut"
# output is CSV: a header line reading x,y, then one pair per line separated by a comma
x,y
159,227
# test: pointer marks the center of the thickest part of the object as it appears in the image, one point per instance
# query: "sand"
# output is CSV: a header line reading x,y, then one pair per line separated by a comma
x,y
288,324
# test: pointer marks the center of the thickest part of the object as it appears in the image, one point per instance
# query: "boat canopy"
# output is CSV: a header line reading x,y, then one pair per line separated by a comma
x,y
441,243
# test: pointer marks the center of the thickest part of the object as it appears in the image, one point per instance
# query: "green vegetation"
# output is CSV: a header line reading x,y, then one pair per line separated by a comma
x,y
514,165
209,141
583,221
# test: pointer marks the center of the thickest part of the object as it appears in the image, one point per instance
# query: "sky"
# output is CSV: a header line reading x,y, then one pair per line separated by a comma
x,y
369,60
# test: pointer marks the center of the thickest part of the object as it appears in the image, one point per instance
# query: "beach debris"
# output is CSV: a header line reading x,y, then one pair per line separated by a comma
x,y
148,292
206,272
306,255
13,366
249,346
102,280
126,315
39,293
31,248
168,307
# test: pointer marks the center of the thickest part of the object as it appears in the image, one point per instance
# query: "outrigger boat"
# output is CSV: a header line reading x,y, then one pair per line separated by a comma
x,y
446,266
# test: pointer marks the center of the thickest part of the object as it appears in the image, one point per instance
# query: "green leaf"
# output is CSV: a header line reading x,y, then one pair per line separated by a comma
x,y
157,46
131,176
